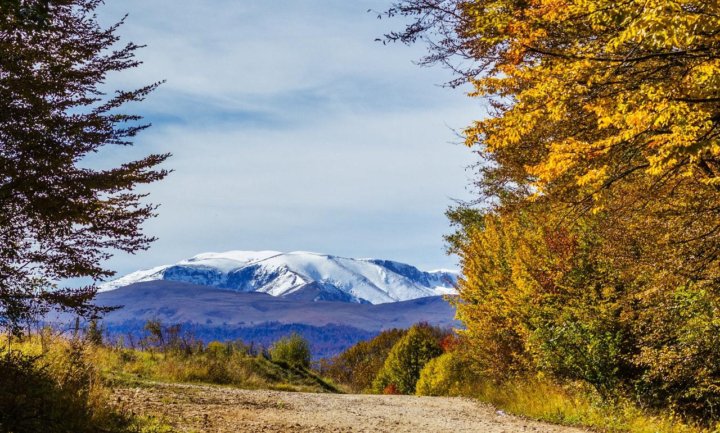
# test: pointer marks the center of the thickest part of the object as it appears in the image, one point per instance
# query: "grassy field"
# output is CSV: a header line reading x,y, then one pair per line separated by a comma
x,y
217,363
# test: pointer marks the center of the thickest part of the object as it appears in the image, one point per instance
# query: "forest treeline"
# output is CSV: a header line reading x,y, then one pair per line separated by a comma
x,y
592,251
326,340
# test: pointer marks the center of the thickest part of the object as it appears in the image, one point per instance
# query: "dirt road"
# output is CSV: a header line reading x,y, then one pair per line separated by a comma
x,y
211,409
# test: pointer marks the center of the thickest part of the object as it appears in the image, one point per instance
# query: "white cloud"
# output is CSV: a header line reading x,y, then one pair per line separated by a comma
x,y
292,129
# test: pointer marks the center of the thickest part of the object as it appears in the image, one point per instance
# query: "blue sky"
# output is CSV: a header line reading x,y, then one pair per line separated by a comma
x,y
291,129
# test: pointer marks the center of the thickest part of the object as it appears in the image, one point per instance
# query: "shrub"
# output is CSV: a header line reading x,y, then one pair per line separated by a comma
x,y
680,354
391,389
216,349
293,350
59,391
357,366
450,374
584,345
407,358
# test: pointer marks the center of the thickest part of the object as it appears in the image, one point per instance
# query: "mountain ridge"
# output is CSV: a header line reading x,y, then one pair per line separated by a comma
x,y
301,274
177,302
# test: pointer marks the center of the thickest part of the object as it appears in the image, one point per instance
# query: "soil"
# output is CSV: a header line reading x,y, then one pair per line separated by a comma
x,y
215,409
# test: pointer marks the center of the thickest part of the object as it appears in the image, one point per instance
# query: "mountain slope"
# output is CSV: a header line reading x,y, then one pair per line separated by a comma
x,y
210,314
301,275
173,302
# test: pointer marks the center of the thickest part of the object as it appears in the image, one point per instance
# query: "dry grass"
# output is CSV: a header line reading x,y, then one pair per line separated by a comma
x,y
578,406
234,368
54,384
102,369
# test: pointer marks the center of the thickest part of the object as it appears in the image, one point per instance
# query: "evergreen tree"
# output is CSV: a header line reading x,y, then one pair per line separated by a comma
x,y
94,333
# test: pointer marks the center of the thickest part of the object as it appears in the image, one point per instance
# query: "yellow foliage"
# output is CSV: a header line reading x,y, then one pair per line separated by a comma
x,y
595,255
450,374
638,81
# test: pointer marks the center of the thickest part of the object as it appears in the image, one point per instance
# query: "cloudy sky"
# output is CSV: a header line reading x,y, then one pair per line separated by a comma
x,y
292,129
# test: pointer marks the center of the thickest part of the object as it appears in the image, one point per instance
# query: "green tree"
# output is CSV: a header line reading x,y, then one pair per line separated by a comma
x,y
293,350
536,296
94,332
60,218
407,358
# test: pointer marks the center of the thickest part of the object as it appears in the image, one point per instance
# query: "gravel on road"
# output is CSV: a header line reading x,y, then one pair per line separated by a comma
x,y
216,409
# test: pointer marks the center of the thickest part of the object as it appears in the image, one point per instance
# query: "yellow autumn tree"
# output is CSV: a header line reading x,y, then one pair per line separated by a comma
x,y
603,133
586,93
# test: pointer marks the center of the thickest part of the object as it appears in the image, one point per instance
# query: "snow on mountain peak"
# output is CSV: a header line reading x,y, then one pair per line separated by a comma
x,y
240,256
301,274
229,260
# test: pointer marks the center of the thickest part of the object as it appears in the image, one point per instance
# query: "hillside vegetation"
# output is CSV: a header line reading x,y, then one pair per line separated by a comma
x,y
591,253
168,356
51,383
428,361
56,385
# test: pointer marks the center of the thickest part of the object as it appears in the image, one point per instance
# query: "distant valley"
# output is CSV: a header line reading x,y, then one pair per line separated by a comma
x,y
216,314
258,297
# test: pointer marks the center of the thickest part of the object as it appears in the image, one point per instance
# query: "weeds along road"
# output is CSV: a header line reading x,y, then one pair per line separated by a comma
x,y
215,409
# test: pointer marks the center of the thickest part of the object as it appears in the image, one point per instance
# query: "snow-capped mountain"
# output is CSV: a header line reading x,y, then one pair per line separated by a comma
x,y
301,275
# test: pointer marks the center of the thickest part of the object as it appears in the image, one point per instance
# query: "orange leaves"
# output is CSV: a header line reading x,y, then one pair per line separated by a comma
x,y
589,83
601,176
